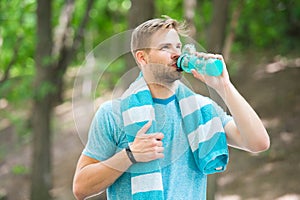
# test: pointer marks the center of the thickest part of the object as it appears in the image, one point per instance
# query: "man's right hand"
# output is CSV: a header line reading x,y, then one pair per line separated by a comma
x,y
147,147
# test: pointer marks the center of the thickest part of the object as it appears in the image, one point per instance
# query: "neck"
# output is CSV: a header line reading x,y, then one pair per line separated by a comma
x,y
162,91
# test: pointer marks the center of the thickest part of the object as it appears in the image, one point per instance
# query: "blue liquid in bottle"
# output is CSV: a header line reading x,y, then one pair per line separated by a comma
x,y
188,61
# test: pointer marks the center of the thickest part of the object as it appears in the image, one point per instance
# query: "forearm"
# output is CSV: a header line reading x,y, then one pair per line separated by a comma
x,y
94,178
251,134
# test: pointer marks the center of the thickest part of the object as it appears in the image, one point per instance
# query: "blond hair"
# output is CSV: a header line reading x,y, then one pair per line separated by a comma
x,y
142,34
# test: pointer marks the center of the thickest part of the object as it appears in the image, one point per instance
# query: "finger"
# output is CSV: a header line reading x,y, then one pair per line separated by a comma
x,y
158,136
200,54
207,56
198,75
155,150
145,128
155,143
159,149
213,56
159,155
219,56
159,143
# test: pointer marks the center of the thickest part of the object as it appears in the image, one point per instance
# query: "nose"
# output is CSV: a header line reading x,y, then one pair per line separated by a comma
x,y
175,55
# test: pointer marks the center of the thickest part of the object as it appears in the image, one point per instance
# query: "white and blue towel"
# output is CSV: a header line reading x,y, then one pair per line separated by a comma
x,y
201,125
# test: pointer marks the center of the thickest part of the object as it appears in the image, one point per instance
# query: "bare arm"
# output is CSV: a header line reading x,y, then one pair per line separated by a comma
x,y
92,176
246,131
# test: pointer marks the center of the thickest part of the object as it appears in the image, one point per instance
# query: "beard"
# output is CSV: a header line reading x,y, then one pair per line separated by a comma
x,y
164,73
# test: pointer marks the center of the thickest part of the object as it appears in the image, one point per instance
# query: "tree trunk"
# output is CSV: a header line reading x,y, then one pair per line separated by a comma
x,y
64,49
232,30
47,87
41,168
41,163
217,29
189,14
139,12
215,38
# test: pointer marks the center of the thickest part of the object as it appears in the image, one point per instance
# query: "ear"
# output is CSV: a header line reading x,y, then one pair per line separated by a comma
x,y
141,57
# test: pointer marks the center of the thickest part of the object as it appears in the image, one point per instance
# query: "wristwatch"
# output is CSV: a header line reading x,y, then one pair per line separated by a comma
x,y
130,155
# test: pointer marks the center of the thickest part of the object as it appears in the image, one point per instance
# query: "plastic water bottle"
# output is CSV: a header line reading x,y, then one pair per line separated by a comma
x,y
188,61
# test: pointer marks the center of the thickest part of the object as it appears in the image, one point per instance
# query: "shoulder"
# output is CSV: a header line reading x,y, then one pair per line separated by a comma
x,y
109,113
203,100
110,108
107,121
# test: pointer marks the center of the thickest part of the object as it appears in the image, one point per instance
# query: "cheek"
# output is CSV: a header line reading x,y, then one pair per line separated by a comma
x,y
159,58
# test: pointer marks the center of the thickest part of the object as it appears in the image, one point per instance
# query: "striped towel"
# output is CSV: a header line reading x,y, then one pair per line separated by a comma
x,y
201,124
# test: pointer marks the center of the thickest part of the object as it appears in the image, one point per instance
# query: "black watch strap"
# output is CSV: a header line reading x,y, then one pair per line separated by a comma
x,y
130,155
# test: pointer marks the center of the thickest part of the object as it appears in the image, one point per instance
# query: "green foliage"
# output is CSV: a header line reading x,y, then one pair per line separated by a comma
x,y
19,170
44,90
107,17
16,114
17,43
262,24
111,76
265,24
17,20
170,8
17,90
202,20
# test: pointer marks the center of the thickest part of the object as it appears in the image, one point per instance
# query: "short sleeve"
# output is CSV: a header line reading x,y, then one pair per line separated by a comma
x,y
102,143
225,118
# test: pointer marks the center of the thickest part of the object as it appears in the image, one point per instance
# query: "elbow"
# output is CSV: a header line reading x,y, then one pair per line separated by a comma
x,y
81,192
264,143
78,192
261,146
267,144
264,146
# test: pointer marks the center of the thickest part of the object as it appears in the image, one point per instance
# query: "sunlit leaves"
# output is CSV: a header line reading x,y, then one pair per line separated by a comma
x,y
17,33
46,88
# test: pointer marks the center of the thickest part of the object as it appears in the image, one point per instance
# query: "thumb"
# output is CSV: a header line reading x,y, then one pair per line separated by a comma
x,y
145,128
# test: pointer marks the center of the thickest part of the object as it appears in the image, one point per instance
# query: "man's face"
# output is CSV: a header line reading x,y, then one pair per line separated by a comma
x,y
162,56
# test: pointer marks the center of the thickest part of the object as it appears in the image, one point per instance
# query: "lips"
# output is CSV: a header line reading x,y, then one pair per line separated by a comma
x,y
174,65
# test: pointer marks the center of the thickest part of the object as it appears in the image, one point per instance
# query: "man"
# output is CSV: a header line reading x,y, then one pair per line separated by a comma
x,y
151,143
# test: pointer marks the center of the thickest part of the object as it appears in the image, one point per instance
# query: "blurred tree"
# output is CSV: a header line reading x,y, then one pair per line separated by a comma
x,y
41,170
215,41
217,27
189,14
266,24
52,58
8,67
16,47
144,10
232,29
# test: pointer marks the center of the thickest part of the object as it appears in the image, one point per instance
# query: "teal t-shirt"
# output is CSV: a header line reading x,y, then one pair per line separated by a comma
x,y
181,177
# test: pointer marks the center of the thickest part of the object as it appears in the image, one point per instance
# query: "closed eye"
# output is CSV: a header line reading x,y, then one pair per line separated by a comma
x,y
165,47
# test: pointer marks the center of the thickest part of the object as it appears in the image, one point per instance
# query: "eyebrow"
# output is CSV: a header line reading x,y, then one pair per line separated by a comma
x,y
169,44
